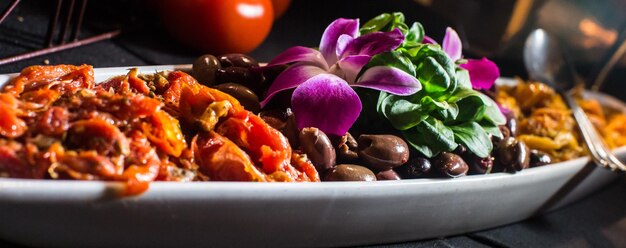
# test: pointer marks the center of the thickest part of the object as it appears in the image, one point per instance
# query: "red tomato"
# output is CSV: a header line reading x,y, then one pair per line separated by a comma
x,y
280,6
218,26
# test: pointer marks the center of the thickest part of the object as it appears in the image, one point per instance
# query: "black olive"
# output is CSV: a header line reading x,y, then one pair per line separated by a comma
x,y
246,97
513,154
511,123
416,167
316,145
450,164
347,148
205,68
349,172
240,75
460,150
277,118
383,152
291,130
539,158
237,60
478,165
505,134
387,175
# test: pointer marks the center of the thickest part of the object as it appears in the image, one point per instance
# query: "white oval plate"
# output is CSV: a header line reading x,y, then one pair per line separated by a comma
x,y
231,214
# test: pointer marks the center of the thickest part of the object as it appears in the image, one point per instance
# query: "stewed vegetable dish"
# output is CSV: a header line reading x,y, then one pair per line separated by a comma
x,y
377,101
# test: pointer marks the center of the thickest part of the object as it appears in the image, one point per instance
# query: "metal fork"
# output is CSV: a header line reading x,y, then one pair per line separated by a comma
x,y
63,44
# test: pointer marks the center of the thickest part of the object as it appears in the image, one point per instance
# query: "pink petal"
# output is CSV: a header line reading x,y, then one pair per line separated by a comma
x,y
328,44
291,78
452,44
342,43
374,43
389,79
326,102
483,72
352,65
299,54
428,40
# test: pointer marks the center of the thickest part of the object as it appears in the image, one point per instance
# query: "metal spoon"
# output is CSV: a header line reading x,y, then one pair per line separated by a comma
x,y
545,63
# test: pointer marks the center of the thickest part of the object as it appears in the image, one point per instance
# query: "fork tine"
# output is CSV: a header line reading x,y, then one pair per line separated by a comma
x,y
68,19
9,10
615,161
54,20
79,21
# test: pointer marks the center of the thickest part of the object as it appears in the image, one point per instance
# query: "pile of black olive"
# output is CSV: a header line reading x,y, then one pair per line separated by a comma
x,y
369,157
236,74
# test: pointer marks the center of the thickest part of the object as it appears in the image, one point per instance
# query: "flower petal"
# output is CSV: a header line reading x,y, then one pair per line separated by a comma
x,y
483,72
452,44
428,40
342,43
328,44
291,78
299,54
326,102
352,65
374,43
389,79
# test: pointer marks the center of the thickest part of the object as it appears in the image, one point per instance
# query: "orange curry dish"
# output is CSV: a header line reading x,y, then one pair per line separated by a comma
x,y
58,124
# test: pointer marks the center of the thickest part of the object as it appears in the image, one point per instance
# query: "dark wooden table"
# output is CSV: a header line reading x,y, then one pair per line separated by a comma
x,y
596,221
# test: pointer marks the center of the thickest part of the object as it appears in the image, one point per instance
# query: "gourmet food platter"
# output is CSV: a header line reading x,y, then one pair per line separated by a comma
x,y
186,201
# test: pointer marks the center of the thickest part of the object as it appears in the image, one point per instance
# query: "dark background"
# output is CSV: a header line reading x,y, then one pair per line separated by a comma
x,y
597,221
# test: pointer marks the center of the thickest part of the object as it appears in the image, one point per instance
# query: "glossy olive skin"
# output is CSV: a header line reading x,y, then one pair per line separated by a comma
x,y
511,123
349,172
240,75
539,158
205,68
276,118
478,165
450,164
347,148
513,154
416,167
505,134
291,130
382,152
317,146
387,175
246,97
237,60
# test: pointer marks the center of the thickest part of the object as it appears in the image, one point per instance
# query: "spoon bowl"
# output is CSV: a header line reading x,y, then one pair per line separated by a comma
x,y
545,62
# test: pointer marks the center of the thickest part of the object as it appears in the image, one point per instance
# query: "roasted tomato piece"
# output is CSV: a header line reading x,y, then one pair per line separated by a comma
x,y
135,106
266,145
303,164
206,106
43,97
65,78
222,160
84,165
11,164
164,131
126,84
97,135
11,126
54,121
136,83
177,81
196,93
144,165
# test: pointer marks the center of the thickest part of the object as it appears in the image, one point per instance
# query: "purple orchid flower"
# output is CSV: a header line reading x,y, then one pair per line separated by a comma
x,y
323,80
483,72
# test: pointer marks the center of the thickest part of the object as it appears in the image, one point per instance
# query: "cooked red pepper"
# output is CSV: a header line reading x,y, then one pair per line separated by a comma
x,y
55,124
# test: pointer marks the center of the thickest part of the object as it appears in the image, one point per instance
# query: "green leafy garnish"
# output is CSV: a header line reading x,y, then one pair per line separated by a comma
x,y
447,111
